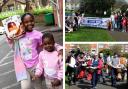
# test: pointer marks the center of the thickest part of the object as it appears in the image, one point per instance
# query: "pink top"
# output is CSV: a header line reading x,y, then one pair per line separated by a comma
x,y
100,66
51,64
28,47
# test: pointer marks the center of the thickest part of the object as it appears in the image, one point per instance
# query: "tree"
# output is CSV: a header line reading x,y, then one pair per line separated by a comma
x,y
2,4
124,8
96,7
116,49
84,47
107,51
82,6
28,7
44,2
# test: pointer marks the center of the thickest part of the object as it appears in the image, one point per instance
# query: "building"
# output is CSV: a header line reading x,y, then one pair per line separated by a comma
x,y
72,4
124,47
103,46
11,5
69,47
92,48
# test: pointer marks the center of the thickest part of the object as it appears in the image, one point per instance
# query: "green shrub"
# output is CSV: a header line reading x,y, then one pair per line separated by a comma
x,y
107,51
36,11
43,10
6,14
125,55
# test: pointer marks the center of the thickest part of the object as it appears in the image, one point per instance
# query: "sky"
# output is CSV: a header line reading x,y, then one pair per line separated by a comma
x,y
126,1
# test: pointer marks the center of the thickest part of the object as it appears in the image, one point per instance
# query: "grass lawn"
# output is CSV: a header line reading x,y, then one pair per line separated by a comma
x,y
89,34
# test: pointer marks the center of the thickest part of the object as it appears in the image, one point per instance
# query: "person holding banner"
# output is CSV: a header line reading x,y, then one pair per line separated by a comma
x,y
96,67
123,63
115,18
71,67
124,23
113,21
101,57
119,19
114,69
79,20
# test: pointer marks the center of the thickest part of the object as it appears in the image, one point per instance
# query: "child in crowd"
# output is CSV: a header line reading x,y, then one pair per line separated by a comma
x,y
124,23
109,24
50,63
26,51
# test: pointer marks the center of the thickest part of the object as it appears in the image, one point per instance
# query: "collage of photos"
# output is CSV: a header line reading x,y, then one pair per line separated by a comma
x,y
63,44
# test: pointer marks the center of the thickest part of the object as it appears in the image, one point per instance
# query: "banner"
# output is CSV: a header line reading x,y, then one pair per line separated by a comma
x,y
95,22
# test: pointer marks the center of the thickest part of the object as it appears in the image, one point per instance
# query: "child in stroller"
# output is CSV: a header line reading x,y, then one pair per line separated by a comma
x,y
71,24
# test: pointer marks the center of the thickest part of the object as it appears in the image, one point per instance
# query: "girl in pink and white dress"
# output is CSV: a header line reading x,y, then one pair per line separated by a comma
x,y
50,63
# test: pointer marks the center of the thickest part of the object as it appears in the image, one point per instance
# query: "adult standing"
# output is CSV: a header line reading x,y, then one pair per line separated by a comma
x,y
71,64
124,22
113,21
115,18
96,66
119,19
114,65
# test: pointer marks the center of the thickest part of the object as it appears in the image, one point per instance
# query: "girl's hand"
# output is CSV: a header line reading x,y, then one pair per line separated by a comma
x,y
67,64
21,30
56,82
9,38
35,77
60,52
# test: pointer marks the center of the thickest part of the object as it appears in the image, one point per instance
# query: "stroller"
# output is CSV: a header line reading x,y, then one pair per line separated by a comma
x,y
68,24
71,24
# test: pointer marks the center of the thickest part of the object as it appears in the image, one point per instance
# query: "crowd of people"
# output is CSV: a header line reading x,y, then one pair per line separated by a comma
x,y
119,22
94,67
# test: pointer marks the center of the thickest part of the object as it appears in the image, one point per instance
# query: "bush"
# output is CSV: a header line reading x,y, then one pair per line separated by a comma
x,y
107,51
43,10
125,55
36,11
6,14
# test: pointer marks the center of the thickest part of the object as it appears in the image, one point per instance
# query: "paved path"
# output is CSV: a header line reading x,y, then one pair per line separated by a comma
x,y
84,84
119,36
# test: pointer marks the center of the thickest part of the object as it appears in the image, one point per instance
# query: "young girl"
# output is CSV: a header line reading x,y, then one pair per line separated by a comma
x,y
50,63
26,53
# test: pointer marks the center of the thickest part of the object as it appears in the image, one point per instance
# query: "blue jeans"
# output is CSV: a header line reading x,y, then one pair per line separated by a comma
x,y
113,76
95,78
102,75
113,24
